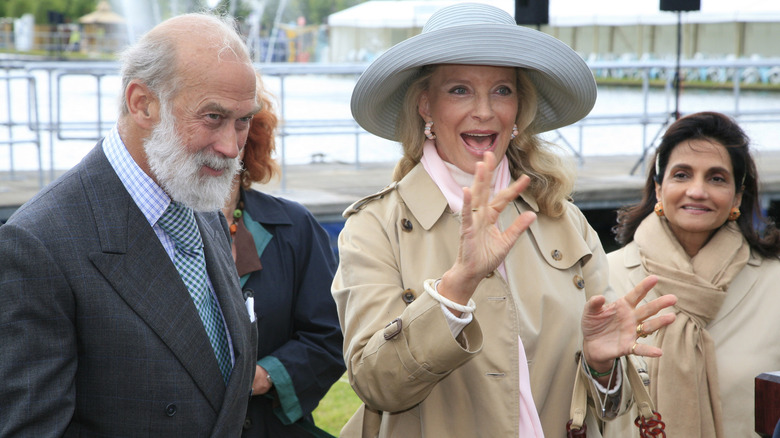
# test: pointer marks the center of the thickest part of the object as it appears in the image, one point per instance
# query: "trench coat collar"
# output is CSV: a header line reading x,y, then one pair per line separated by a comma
x,y
737,290
426,202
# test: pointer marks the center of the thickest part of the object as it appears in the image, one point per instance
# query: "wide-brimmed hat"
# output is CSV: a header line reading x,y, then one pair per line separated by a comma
x,y
477,34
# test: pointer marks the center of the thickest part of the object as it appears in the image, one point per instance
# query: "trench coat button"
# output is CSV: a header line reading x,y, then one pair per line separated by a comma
x,y
579,282
490,274
170,410
392,329
406,224
247,423
408,296
556,255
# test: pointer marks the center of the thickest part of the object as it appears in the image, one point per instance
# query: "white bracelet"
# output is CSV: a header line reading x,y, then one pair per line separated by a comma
x,y
431,287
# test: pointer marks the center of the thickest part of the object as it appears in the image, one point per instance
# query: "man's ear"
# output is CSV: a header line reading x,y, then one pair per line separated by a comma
x,y
142,105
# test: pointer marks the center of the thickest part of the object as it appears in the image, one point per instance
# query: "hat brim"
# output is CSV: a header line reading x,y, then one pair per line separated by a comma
x,y
564,83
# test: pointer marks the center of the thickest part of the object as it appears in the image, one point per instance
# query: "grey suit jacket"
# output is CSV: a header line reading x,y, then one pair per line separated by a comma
x,y
98,334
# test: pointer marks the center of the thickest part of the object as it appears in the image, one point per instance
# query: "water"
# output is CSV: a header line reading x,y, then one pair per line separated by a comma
x,y
320,97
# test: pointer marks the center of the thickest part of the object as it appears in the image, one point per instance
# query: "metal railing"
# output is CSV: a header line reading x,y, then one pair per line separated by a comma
x,y
645,71
13,122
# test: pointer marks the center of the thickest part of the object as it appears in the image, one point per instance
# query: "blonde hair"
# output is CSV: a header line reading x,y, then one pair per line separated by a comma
x,y
552,176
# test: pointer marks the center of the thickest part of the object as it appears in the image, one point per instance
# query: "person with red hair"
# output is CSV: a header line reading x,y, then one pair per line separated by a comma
x,y
285,261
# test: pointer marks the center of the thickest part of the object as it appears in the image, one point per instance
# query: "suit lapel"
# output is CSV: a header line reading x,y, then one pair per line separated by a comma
x,y
134,262
224,278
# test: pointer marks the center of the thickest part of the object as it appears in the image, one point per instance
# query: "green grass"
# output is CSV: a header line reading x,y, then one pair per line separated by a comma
x,y
336,407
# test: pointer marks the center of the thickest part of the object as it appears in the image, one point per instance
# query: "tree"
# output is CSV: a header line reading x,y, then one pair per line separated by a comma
x,y
317,11
314,11
75,9
242,9
71,10
17,8
43,7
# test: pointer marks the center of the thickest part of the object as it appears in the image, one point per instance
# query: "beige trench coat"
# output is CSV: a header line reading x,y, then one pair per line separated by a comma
x,y
744,333
416,379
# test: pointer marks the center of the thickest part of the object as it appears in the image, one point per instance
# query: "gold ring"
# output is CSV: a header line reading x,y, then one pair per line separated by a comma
x,y
640,331
633,347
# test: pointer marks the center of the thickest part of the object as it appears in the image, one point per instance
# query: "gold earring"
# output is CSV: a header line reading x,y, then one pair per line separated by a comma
x,y
734,214
659,209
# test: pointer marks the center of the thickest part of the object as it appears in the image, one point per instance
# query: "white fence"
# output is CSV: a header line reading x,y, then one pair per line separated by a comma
x,y
48,92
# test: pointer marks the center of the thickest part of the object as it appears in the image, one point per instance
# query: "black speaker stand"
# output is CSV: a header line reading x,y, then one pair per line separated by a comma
x,y
676,83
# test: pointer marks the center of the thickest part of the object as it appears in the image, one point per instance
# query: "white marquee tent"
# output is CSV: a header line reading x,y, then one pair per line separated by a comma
x,y
360,33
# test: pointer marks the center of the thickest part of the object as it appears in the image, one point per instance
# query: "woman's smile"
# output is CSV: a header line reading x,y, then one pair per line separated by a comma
x,y
479,142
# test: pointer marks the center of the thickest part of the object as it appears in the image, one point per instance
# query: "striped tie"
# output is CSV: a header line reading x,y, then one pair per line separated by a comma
x,y
178,222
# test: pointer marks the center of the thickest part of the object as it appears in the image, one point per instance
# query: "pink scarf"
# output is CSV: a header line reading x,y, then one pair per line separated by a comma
x,y
445,179
450,181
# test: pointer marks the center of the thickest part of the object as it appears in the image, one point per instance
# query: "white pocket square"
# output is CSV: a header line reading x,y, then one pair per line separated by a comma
x,y
250,308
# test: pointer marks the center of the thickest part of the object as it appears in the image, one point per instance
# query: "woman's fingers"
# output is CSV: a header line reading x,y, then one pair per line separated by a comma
x,y
647,327
647,350
467,208
638,293
650,326
482,178
509,194
480,196
594,305
653,307
645,311
519,225
646,323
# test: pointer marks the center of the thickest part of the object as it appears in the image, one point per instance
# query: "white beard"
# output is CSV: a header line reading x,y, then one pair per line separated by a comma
x,y
178,171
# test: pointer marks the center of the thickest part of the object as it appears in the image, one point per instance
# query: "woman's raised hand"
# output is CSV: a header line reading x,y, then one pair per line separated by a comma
x,y
482,245
611,330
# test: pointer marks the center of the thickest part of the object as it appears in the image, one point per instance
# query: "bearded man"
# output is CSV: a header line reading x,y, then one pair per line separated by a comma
x,y
120,308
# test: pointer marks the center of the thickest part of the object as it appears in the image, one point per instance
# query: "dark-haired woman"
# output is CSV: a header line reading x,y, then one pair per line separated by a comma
x,y
699,228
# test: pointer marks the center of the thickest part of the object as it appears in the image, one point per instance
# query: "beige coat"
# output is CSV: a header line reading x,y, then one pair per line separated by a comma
x,y
744,332
401,358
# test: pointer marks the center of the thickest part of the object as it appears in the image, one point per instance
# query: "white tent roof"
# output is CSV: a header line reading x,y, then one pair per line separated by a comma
x,y
102,15
414,13
622,12
398,14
